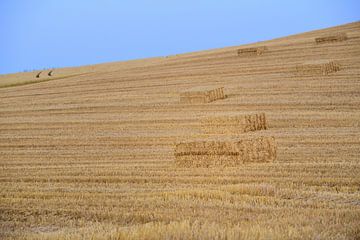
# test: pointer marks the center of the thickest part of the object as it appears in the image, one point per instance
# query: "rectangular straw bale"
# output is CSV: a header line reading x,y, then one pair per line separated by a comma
x,y
262,149
225,153
202,95
331,67
234,124
318,69
333,38
253,51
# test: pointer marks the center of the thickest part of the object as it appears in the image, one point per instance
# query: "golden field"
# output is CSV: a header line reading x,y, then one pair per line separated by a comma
x,y
89,152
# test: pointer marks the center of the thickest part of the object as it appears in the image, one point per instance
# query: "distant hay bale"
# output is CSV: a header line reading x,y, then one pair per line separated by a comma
x,y
50,73
38,75
234,124
225,153
318,69
202,95
255,51
329,39
330,67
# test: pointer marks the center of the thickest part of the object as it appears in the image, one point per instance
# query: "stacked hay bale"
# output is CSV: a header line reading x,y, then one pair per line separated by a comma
x,y
225,153
330,39
261,149
256,51
330,67
318,69
234,124
202,95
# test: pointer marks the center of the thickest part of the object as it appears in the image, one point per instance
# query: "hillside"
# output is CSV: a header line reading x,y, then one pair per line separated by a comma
x,y
90,152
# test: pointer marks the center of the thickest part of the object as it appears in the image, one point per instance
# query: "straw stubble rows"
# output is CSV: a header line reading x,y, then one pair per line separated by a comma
x,y
93,155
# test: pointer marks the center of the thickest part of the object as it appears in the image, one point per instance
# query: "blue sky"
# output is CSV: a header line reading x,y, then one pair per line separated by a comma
x,y
38,34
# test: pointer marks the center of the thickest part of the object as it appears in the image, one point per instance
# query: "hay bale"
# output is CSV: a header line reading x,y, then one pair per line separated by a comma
x,y
225,153
50,73
318,69
202,95
262,149
330,39
234,124
330,67
255,51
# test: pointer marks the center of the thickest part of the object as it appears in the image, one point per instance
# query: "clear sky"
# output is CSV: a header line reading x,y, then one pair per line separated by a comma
x,y
36,34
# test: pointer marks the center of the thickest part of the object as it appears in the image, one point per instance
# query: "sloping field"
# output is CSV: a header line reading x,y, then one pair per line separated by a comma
x,y
92,155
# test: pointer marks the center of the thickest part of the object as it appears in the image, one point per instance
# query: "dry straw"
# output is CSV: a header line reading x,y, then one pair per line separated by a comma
x,y
256,51
225,153
202,95
318,69
234,124
329,39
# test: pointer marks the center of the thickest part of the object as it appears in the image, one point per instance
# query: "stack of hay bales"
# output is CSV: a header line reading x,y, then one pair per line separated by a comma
x,y
202,95
225,153
318,69
255,51
234,124
219,152
329,39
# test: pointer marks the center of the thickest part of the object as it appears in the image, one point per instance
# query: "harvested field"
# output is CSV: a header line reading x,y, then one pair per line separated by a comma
x,y
225,153
89,153
234,124
318,69
329,39
202,95
253,51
